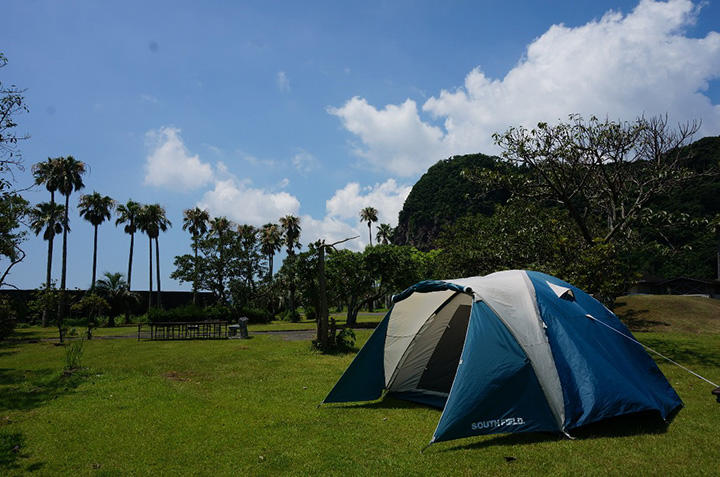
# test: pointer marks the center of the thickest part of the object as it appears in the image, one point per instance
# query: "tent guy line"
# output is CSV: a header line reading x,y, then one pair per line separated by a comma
x,y
656,352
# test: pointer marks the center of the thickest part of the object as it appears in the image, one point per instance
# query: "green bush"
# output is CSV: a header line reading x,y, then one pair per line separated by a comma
x,y
189,313
345,340
257,315
310,313
7,318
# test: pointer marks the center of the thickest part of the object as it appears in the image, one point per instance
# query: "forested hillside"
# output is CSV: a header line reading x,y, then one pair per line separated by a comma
x,y
440,197
445,204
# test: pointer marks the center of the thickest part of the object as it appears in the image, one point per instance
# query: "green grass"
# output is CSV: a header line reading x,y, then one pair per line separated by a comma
x,y
249,407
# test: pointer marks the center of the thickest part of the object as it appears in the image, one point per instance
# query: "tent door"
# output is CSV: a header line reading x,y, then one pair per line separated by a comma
x,y
442,366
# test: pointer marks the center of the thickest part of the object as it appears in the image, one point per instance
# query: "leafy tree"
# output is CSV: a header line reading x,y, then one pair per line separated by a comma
x,y
229,263
12,103
151,221
364,278
195,221
602,172
12,206
369,215
116,292
96,209
46,218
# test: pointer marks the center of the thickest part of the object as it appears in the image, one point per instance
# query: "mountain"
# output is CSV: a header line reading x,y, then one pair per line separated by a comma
x,y
440,197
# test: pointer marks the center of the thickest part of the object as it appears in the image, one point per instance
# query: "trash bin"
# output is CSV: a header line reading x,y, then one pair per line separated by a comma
x,y
242,325
233,331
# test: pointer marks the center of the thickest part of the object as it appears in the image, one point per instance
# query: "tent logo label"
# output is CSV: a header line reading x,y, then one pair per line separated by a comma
x,y
510,421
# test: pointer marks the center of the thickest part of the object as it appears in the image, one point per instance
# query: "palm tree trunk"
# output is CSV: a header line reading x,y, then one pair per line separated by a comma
x,y
157,267
270,263
195,272
94,271
150,291
132,246
129,275
48,279
63,273
370,231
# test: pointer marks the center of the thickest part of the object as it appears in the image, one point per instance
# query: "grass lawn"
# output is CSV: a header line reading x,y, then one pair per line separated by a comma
x,y
249,407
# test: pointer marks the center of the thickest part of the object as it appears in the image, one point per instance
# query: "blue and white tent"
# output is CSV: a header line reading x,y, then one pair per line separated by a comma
x,y
514,351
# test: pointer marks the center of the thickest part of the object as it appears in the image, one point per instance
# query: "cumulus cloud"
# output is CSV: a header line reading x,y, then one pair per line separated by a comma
x,y
620,66
240,202
392,138
170,165
342,213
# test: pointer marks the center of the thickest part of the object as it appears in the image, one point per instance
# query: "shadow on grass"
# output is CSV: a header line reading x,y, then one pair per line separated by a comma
x,y
635,323
687,352
641,423
25,390
388,403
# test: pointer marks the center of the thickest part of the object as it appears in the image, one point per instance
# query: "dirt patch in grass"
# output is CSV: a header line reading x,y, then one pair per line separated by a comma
x,y
179,375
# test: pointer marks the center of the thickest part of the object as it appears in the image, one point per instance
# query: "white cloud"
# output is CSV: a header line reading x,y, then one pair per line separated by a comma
x,y
388,198
393,138
246,205
283,82
330,229
169,163
620,66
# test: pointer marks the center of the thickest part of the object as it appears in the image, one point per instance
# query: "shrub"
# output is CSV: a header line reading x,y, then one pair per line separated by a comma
x,y
73,354
257,315
310,313
7,318
345,340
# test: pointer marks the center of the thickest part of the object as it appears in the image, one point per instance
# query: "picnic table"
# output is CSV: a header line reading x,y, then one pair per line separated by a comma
x,y
186,330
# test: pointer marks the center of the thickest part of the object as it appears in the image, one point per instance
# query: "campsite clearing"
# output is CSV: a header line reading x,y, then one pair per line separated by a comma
x,y
250,408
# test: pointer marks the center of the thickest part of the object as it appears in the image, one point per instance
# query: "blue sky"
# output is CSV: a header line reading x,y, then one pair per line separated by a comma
x,y
258,109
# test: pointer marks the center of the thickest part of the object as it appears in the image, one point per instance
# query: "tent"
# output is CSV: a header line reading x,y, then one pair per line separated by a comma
x,y
513,351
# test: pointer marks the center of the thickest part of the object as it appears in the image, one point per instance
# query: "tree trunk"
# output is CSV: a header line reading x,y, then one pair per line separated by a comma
x,y
195,272
150,291
94,271
157,267
322,317
48,279
63,274
129,276
718,257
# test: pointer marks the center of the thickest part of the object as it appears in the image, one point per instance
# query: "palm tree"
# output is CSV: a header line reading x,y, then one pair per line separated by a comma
x,y
384,233
219,227
69,179
195,221
270,244
46,217
47,173
369,215
127,214
290,225
96,209
116,291
152,220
